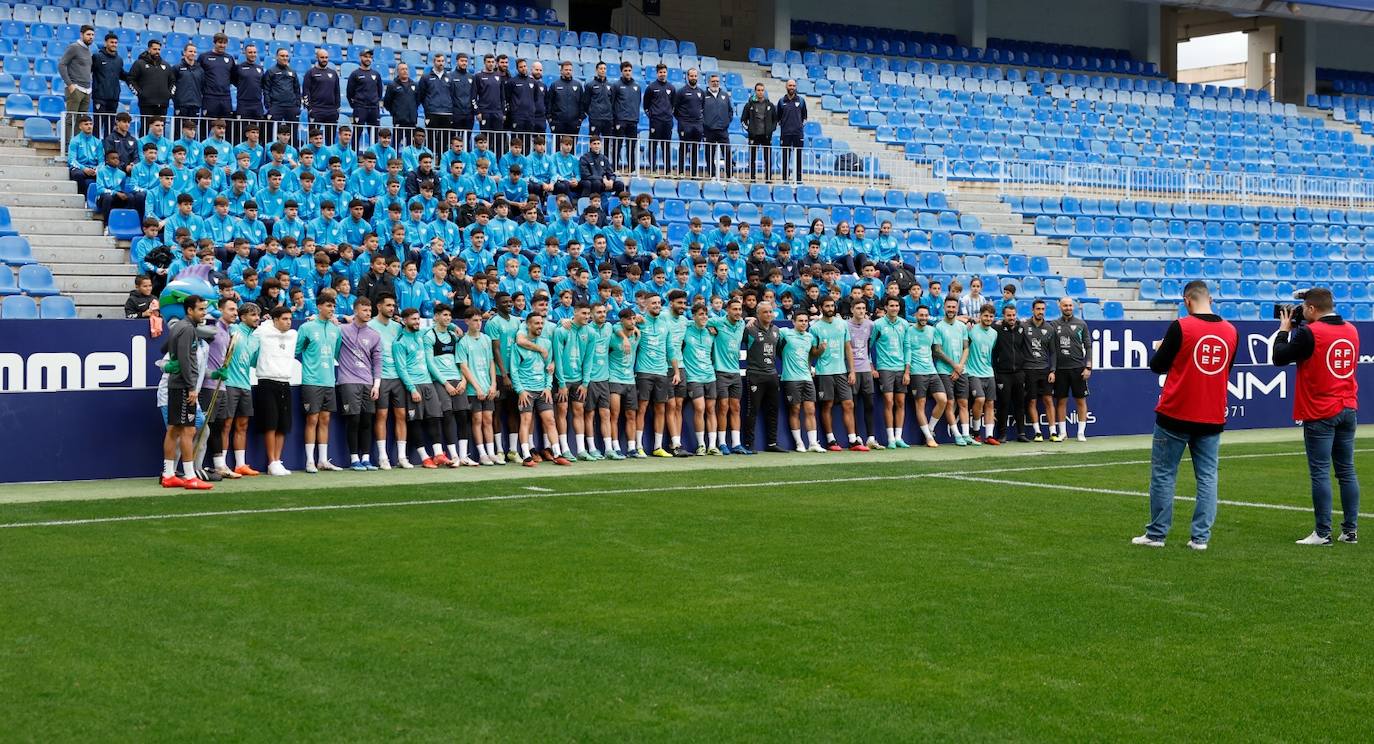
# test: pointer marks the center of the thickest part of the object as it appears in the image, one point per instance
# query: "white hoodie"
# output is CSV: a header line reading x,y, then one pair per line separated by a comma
x,y
276,353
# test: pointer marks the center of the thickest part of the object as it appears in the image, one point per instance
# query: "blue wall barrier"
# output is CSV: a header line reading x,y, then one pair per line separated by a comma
x,y
77,397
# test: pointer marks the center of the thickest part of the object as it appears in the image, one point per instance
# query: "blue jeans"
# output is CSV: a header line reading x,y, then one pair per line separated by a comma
x,y
1164,458
1328,440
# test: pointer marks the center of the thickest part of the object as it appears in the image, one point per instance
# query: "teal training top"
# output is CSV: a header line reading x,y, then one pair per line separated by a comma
x,y
443,354
622,362
951,337
596,344
409,354
729,337
981,341
834,335
888,340
503,331
477,355
919,339
655,333
389,333
317,345
796,354
698,345
531,372
568,356
244,359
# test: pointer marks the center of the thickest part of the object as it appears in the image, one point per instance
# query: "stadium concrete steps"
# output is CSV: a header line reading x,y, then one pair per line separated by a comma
x,y
1333,122
46,209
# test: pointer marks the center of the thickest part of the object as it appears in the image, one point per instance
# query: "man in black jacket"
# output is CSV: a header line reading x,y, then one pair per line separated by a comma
x,y
564,101
595,171
596,105
791,110
658,106
1006,370
364,91
217,73
281,91
107,72
689,103
247,78
625,103
460,83
759,118
488,91
140,301
189,92
320,91
716,113
402,102
153,82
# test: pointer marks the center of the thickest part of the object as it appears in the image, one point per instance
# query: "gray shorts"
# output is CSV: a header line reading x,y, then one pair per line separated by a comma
x,y
537,404
427,407
680,389
393,394
356,398
653,388
801,391
239,403
480,405
629,394
864,385
955,389
598,396
705,390
221,403
729,386
574,388
317,398
449,402
926,386
983,387
890,381
833,388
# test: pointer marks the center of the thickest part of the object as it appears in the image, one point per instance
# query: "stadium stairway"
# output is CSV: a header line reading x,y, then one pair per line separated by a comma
x,y
87,265
980,200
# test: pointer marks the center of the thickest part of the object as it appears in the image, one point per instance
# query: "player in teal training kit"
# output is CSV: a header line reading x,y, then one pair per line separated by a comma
x,y
532,379
799,347
835,375
570,361
623,350
238,384
923,381
729,335
982,383
444,355
951,355
596,382
888,339
424,407
480,373
502,327
392,397
700,370
654,360
317,346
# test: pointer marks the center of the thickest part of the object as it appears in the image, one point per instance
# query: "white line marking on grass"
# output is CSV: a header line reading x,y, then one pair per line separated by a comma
x,y
963,475
1088,489
537,489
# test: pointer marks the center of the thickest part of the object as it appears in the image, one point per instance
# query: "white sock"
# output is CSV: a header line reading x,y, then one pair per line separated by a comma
x,y
734,438
401,450
513,437
987,429
169,468
220,463
658,440
830,437
1082,427
563,442
797,437
381,450
525,450
353,458
324,452
963,428
609,443
557,449
711,439
1036,424
930,435
422,452
188,469
677,442
309,454
581,440
462,450
548,442
241,457
815,439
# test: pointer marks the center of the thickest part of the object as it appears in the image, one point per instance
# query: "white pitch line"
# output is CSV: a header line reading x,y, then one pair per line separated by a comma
x,y
538,489
1087,489
964,474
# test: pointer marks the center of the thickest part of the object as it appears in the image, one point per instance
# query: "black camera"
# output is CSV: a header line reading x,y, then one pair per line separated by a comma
x,y
1281,310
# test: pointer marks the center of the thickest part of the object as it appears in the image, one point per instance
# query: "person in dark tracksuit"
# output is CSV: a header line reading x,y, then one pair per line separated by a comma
x,y
520,93
402,102
1010,378
689,103
107,72
436,96
248,81
625,106
658,106
596,105
792,120
364,91
153,82
281,91
761,379
217,72
564,102
716,114
460,86
320,92
541,109
188,96
759,118
490,97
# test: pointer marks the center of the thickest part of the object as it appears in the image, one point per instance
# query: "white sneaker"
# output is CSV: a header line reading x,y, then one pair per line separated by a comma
x,y
384,464
1197,545
1147,541
310,468
801,448
276,468
1315,539
471,463
1082,437
404,464
327,465
484,460
816,447
873,444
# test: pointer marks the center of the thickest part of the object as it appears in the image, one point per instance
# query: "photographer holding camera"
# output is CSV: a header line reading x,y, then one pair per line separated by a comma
x,y
1326,350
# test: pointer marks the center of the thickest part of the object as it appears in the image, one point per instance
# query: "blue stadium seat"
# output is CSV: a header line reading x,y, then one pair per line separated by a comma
x,y
8,286
36,280
124,224
15,251
58,308
6,224
19,308
1112,310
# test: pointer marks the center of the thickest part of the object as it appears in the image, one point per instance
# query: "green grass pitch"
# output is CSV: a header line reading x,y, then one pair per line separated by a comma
x,y
851,598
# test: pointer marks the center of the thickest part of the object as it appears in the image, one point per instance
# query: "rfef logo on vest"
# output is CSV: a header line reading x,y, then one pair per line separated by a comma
x,y
1211,355
1340,359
